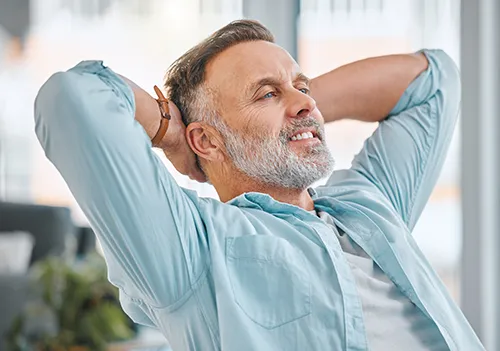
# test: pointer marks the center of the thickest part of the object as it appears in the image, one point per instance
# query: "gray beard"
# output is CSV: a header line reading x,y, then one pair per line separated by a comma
x,y
271,161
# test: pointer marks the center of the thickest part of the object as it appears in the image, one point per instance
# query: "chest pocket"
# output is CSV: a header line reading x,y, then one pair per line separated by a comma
x,y
269,279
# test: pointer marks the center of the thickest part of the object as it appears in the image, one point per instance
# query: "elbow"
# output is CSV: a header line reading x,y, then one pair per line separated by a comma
x,y
52,92
51,106
443,83
450,78
447,98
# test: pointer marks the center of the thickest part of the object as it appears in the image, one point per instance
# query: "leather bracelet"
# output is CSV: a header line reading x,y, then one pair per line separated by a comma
x,y
165,117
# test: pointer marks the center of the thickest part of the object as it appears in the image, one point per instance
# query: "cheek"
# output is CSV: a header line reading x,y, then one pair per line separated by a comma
x,y
264,121
318,116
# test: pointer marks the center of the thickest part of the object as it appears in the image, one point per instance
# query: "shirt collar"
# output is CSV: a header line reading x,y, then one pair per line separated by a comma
x,y
267,203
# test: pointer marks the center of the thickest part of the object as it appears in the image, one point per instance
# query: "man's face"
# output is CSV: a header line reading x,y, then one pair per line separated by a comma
x,y
272,130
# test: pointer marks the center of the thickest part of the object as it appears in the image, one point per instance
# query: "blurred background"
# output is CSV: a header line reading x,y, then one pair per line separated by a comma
x,y
141,38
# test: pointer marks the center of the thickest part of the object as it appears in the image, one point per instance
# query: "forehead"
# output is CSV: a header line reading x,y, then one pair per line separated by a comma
x,y
236,68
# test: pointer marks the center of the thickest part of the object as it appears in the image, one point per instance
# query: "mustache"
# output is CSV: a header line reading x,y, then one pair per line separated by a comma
x,y
295,125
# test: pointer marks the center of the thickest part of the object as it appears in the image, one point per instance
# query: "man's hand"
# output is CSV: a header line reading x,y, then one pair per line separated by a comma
x,y
174,143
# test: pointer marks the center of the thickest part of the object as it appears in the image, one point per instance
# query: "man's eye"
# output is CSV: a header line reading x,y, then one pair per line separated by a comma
x,y
304,90
269,95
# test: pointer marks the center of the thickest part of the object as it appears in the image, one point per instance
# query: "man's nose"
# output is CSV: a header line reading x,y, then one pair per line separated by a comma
x,y
300,105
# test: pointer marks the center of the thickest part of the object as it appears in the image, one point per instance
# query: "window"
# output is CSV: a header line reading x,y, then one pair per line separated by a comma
x,y
142,46
333,33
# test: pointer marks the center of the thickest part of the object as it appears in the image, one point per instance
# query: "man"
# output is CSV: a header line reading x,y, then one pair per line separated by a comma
x,y
274,265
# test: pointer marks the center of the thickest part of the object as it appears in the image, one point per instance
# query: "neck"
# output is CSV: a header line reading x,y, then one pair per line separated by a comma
x,y
241,183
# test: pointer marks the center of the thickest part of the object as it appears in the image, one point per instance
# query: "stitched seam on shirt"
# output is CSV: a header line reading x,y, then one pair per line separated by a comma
x,y
408,213
178,303
192,282
133,299
449,335
215,337
152,316
193,291
170,307
258,259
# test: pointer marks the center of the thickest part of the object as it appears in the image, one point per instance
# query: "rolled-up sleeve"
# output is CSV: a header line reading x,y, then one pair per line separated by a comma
x,y
150,229
404,156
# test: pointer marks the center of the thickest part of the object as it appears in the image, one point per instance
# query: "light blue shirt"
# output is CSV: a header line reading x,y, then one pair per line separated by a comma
x,y
384,305
253,273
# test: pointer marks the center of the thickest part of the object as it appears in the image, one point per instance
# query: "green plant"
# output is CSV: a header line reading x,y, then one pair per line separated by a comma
x,y
75,308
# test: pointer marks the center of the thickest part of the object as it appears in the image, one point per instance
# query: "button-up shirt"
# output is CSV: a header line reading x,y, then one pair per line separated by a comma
x,y
384,305
253,273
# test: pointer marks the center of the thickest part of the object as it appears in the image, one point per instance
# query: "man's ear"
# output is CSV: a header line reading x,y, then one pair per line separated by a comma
x,y
205,141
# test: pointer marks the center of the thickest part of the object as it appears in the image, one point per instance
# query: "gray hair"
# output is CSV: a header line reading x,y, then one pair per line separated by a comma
x,y
185,77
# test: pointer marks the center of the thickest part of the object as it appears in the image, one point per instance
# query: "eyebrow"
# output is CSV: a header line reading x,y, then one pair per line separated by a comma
x,y
272,81
301,77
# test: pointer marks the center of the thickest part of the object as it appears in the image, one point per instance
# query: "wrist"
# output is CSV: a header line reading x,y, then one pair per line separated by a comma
x,y
163,107
148,115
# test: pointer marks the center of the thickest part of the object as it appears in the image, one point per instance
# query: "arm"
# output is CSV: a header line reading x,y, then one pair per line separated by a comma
x,y
403,158
174,143
150,229
147,112
366,90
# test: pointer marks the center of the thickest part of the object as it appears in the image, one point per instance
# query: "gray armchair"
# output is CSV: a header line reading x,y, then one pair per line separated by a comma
x,y
51,228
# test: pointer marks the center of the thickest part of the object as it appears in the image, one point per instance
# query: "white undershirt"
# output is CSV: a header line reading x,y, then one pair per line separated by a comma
x,y
392,321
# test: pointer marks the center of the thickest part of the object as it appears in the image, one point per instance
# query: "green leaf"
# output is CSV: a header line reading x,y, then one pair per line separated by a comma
x,y
84,304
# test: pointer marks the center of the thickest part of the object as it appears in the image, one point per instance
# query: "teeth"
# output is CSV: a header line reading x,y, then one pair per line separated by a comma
x,y
306,135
